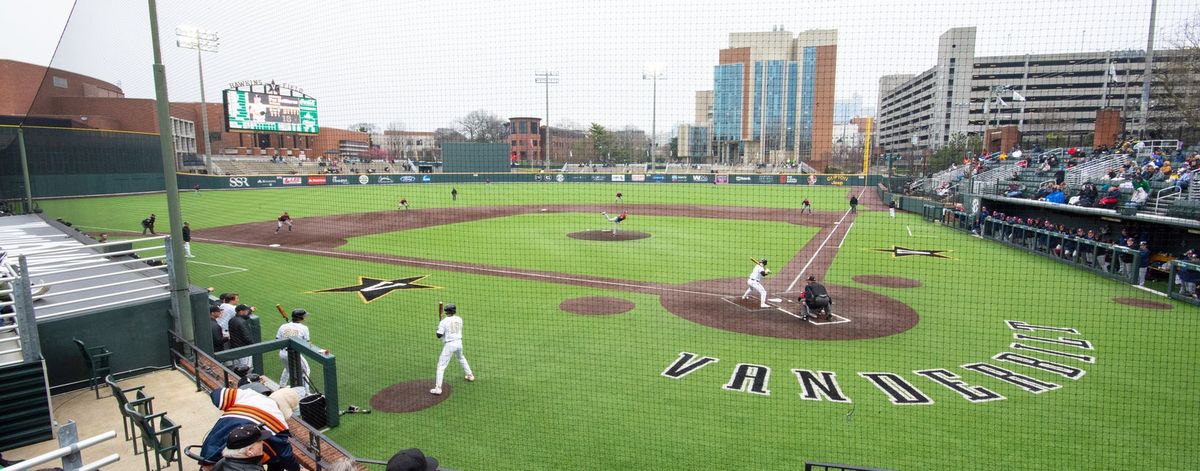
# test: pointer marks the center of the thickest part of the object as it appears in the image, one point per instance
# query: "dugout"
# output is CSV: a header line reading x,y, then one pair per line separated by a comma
x,y
475,157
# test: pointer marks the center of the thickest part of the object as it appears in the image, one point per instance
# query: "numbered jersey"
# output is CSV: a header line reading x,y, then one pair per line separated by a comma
x,y
450,329
292,329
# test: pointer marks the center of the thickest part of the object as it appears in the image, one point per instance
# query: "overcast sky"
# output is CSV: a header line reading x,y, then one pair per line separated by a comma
x,y
426,64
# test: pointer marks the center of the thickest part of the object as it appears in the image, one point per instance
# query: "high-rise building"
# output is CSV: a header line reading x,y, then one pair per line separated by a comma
x,y
773,97
1052,99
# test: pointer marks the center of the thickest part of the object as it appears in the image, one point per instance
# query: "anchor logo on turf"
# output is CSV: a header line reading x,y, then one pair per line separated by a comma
x,y
897,251
370,289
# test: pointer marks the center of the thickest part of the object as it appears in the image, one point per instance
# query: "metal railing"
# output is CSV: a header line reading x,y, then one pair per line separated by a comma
x,y
69,452
313,449
818,466
1093,169
1169,193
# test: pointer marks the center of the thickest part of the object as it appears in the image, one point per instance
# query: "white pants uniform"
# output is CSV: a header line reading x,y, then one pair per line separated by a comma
x,y
451,348
755,285
283,379
892,212
187,249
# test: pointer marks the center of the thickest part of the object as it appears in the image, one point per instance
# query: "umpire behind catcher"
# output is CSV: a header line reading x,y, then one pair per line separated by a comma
x,y
816,297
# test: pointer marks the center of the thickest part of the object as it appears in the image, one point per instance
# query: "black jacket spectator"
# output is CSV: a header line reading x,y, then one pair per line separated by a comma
x,y
239,328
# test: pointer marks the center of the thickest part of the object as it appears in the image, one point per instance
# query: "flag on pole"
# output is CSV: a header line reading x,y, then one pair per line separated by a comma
x,y
1112,72
1000,102
1017,96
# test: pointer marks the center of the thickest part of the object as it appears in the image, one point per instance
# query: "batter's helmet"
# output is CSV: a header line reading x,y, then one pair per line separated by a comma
x,y
298,314
763,261
450,308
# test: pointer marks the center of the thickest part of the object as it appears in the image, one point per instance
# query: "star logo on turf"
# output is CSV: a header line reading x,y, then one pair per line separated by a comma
x,y
370,289
897,251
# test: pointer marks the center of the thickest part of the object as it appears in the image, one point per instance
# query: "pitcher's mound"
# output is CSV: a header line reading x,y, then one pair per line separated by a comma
x,y
608,235
409,396
596,306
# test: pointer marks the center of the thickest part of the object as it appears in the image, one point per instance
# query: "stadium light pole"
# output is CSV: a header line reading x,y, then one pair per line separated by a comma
x,y
180,301
653,73
189,37
547,77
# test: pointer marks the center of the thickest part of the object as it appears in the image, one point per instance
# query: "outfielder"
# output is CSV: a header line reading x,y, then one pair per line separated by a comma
x,y
615,220
295,328
450,331
281,220
755,281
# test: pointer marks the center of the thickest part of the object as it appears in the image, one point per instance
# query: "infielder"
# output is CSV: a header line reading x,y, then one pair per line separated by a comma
x,y
892,208
403,203
806,207
450,331
295,328
755,281
615,220
283,219
620,198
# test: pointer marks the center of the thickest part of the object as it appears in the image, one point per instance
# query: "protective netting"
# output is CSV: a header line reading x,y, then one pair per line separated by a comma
x,y
908,236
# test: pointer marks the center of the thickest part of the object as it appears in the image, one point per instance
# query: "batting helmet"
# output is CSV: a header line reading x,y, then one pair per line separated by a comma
x,y
450,308
763,261
298,314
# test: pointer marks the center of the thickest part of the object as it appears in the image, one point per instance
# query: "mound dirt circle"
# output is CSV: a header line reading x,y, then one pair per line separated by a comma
x,y
884,281
860,314
608,235
1142,303
597,306
409,396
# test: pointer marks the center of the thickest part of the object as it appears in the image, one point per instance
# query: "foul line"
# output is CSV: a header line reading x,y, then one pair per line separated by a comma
x,y
847,234
476,268
909,231
836,225
234,269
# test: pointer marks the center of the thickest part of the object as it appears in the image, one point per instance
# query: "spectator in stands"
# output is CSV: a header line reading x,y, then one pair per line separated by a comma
x,y
245,407
1186,174
1060,176
243,449
218,333
1111,197
412,459
1089,195
1139,197
240,335
1014,191
1056,195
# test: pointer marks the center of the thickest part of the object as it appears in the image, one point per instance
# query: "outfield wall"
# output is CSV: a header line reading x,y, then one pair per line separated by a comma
x,y
210,182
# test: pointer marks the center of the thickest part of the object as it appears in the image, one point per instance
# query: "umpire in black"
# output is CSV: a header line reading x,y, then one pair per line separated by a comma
x,y
816,297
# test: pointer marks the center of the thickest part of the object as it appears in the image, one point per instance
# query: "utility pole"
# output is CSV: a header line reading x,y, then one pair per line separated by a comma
x,y
653,74
547,77
188,37
1148,74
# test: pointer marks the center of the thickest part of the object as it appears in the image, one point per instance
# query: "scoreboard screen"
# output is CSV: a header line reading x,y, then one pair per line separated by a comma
x,y
255,111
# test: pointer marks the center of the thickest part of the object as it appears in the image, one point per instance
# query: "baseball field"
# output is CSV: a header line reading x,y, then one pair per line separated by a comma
x,y
637,351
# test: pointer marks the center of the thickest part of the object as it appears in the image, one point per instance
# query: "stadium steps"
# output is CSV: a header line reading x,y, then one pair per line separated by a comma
x,y
24,408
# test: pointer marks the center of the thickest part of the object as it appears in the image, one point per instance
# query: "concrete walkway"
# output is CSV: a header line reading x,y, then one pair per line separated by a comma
x,y
173,393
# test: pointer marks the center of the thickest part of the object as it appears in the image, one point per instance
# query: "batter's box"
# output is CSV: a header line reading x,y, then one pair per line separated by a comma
x,y
749,304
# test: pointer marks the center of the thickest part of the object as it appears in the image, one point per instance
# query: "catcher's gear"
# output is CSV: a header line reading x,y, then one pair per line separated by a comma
x,y
450,309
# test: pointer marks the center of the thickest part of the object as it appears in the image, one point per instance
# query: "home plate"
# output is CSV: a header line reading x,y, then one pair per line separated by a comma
x,y
273,245
775,300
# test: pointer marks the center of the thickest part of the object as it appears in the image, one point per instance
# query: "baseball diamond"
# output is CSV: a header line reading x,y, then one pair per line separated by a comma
x,y
576,342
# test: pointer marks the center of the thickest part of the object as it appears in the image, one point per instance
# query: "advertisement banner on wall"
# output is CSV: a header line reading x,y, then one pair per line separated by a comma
x,y
700,178
317,180
618,178
637,178
336,180
721,179
292,180
679,178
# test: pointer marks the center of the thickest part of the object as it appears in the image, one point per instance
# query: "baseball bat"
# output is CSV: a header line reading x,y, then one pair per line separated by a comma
x,y
280,309
756,263
441,308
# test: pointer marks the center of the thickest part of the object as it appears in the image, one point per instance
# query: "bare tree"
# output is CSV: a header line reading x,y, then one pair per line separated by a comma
x,y
1179,79
483,126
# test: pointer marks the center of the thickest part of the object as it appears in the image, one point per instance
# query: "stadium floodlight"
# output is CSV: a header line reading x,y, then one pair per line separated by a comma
x,y
653,72
189,37
547,77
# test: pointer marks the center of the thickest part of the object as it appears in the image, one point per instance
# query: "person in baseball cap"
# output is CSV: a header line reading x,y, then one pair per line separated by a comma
x,y
412,459
243,448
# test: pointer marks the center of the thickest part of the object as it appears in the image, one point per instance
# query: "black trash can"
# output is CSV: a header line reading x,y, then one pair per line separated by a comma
x,y
312,410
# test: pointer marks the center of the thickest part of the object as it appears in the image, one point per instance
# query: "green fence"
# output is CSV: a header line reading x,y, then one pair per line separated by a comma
x,y
1182,279
77,162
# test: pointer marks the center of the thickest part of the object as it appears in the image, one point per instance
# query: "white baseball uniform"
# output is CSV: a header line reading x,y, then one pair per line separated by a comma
x,y
289,330
450,329
755,281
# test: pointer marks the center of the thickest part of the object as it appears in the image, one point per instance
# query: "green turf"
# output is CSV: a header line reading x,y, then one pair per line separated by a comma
x,y
220,208
679,250
562,391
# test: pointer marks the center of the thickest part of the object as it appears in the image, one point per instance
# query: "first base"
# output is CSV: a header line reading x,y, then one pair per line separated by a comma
x,y
775,300
273,245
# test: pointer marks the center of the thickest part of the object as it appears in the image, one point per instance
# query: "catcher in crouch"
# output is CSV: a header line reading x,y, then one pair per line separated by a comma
x,y
615,220
816,299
